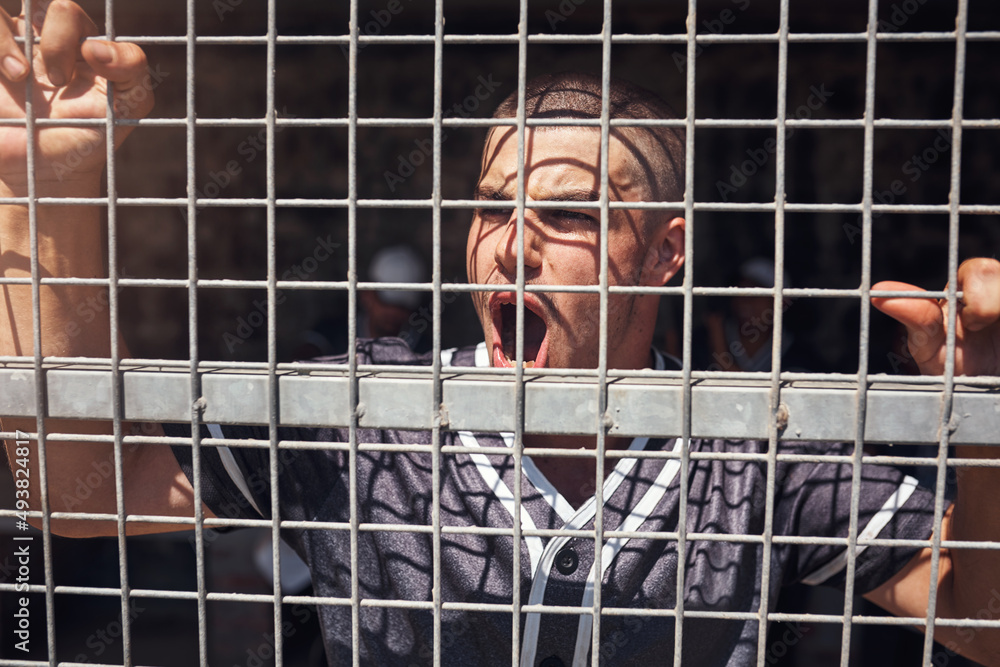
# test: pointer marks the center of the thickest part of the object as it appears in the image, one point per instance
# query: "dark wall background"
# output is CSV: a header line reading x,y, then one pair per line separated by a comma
x,y
913,80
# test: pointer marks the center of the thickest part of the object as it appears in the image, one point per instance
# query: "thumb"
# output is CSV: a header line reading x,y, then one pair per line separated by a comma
x,y
923,319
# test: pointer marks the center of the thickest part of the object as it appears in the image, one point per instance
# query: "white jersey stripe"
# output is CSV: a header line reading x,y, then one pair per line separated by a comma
x,y
614,545
482,356
579,519
505,496
229,463
549,491
874,527
538,479
574,519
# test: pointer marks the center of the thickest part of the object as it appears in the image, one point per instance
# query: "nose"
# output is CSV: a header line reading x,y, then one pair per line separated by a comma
x,y
505,252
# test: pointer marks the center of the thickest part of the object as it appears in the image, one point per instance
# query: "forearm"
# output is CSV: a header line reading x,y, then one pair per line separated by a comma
x,y
968,580
74,322
69,240
975,573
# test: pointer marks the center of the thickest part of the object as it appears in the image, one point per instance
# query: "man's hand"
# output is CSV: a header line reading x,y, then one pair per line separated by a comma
x,y
977,331
966,577
70,76
70,79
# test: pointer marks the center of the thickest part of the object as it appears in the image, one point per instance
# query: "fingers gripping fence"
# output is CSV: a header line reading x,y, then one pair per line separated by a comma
x,y
450,401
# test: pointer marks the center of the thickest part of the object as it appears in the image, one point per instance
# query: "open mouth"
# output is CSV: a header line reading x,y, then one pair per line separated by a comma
x,y
503,308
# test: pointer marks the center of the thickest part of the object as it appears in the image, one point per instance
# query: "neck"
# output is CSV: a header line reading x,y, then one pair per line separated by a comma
x,y
574,477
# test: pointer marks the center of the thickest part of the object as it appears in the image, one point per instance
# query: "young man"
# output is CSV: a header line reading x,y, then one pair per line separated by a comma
x,y
476,492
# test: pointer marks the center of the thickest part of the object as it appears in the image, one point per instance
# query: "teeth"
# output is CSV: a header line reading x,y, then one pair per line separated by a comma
x,y
527,364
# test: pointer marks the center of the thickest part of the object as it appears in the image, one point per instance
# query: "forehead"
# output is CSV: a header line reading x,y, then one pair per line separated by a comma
x,y
558,158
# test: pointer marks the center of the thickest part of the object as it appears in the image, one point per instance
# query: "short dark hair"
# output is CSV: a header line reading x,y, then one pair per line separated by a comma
x,y
658,151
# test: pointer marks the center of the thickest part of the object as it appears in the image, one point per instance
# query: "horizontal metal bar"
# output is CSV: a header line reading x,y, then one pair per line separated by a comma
x,y
791,292
762,207
474,401
715,123
307,367
404,448
490,531
680,38
486,607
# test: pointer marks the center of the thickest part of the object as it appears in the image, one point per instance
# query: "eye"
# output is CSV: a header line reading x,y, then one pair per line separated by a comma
x,y
505,212
494,215
574,217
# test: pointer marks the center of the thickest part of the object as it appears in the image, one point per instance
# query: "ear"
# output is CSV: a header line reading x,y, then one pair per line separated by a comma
x,y
664,254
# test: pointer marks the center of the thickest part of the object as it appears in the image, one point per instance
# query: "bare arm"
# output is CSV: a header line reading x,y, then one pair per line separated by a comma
x,y
968,579
69,163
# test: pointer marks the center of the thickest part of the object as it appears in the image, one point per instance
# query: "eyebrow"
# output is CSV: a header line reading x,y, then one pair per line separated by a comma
x,y
571,195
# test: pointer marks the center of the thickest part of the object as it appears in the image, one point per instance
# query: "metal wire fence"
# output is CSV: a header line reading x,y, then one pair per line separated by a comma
x,y
774,405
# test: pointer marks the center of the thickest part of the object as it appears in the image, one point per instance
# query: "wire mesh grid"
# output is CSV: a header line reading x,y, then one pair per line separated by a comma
x,y
780,405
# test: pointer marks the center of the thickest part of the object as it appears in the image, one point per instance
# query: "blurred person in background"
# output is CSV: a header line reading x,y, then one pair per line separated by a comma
x,y
381,313
739,337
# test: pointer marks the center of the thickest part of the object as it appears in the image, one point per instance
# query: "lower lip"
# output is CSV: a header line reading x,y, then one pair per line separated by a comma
x,y
499,360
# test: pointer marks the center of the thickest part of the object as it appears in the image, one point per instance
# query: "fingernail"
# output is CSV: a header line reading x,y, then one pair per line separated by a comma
x,y
101,52
56,77
13,67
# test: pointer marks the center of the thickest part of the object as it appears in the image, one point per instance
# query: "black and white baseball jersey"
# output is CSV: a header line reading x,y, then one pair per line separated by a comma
x,y
477,490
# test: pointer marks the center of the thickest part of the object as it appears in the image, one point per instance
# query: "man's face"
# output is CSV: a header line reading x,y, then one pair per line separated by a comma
x,y
561,247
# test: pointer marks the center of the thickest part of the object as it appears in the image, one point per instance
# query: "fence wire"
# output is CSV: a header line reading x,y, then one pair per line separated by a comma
x,y
781,405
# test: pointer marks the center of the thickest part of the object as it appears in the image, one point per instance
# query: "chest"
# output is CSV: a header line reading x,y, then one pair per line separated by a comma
x,y
555,562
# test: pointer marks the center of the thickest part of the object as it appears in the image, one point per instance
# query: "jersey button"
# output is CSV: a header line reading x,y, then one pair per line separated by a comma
x,y
552,661
566,562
